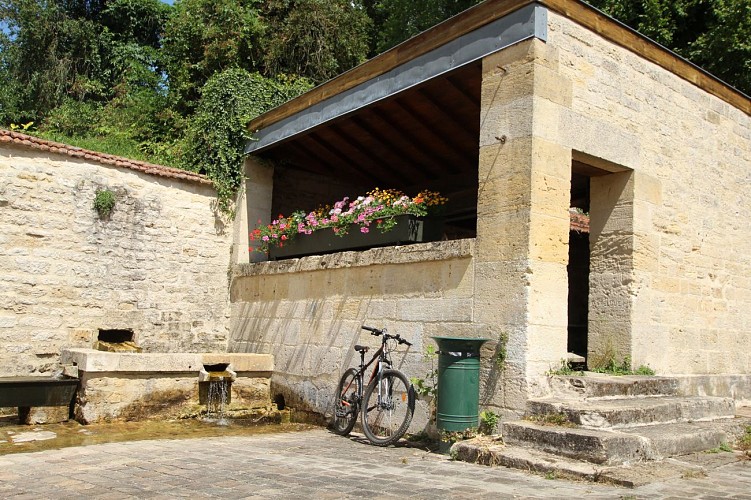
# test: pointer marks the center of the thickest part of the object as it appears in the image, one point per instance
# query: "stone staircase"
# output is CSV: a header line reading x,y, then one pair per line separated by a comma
x,y
611,420
625,430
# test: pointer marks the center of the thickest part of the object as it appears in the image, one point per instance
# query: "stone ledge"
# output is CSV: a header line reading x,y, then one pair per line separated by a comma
x,y
405,254
91,361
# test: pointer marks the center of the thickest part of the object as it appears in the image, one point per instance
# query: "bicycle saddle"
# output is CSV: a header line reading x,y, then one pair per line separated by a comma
x,y
361,348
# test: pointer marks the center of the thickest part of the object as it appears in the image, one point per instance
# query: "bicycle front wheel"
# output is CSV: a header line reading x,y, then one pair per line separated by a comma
x,y
346,403
387,408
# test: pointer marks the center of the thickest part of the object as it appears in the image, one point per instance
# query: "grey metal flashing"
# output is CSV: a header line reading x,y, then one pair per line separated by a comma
x,y
530,21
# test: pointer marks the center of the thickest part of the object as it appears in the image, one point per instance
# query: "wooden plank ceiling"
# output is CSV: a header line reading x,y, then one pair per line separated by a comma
x,y
426,136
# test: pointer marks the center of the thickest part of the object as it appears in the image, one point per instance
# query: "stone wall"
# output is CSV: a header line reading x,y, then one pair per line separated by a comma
x,y
158,266
672,269
308,312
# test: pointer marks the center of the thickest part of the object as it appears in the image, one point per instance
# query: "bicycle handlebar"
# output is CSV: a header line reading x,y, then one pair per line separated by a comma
x,y
386,336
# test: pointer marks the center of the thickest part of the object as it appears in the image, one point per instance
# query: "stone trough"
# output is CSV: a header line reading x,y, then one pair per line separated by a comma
x,y
38,399
135,386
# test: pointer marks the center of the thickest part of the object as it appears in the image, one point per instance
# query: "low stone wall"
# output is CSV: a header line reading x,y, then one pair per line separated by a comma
x,y
308,312
138,386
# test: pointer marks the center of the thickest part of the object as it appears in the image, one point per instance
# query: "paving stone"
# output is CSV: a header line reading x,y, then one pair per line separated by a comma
x,y
311,464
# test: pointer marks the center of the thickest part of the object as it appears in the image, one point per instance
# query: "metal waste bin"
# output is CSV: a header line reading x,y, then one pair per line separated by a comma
x,y
458,395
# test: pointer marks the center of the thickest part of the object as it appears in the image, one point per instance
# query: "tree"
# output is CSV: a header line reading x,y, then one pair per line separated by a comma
x,y
61,50
398,20
317,39
203,37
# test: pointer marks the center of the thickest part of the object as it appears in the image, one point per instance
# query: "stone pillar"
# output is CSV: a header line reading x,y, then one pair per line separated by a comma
x,y
259,189
522,220
611,275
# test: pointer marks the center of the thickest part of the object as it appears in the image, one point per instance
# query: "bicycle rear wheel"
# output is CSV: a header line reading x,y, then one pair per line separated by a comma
x,y
346,405
386,414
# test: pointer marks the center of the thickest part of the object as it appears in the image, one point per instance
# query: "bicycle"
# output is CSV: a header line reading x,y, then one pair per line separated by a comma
x,y
387,404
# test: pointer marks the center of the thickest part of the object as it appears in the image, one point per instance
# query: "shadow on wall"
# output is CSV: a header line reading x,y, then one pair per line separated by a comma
x,y
310,320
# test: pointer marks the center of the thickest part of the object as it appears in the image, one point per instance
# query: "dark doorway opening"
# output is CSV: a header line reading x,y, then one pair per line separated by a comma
x,y
578,268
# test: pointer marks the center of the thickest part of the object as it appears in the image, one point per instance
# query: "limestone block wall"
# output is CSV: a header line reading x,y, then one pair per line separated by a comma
x,y
522,223
308,312
677,285
158,266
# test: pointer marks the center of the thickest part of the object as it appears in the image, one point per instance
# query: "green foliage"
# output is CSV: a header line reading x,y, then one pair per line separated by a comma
x,y
317,39
217,134
204,37
488,421
558,419
611,367
501,353
723,448
644,370
564,369
140,22
427,386
104,203
744,443
398,20
73,118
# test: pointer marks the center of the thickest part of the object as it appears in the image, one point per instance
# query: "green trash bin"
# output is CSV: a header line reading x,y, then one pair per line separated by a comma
x,y
458,383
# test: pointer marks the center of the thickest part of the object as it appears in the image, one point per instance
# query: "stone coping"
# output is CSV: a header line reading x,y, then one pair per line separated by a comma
x,y
90,361
29,141
402,254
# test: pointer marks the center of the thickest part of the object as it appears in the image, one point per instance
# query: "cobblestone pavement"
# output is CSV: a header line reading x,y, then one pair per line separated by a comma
x,y
309,464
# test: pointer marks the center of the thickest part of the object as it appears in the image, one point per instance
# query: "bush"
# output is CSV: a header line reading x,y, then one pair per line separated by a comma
x,y
73,118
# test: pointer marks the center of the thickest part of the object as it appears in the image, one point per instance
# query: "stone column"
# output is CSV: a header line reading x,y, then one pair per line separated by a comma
x,y
259,189
611,272
522,221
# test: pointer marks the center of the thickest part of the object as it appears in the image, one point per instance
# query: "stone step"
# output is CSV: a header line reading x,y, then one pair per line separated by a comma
x,y
634,412
480,451
598,385
615,447
555,466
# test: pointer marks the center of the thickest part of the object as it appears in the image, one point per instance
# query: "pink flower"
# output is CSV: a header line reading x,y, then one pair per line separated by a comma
x,y
364,229
265,238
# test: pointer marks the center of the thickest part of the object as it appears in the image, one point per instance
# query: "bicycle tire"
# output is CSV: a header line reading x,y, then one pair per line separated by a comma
x,y
346,405
385,422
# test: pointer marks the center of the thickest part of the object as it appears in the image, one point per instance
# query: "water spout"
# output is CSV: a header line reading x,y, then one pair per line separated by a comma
x,y
215,382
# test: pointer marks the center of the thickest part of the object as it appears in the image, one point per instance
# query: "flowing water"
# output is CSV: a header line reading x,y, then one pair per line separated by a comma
x,y
15,438
217,399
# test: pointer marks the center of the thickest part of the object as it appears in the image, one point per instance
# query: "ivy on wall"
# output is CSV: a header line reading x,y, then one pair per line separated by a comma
x,y
217,133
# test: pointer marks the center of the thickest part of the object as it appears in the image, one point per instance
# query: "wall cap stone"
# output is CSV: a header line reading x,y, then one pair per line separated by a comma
x,y
31,142
90,361
407,254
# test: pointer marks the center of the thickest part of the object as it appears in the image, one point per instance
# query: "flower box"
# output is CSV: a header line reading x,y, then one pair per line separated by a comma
x,y
408,229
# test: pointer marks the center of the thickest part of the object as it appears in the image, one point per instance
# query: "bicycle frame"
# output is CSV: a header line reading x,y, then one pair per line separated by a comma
x,y
381,356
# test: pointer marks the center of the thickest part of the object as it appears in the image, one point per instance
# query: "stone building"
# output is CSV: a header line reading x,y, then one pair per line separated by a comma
x,y
518,111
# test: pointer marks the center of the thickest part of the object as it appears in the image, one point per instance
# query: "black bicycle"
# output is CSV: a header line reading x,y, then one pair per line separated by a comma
x,y
388,403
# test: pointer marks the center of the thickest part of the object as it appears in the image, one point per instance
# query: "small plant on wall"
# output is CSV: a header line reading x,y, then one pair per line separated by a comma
x,y
104,203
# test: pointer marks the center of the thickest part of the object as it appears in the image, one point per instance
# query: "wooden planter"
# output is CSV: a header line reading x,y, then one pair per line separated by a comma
x,y
409,229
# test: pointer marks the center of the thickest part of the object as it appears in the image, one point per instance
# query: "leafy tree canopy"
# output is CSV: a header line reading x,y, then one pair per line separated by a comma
x,y
317,39
177,84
